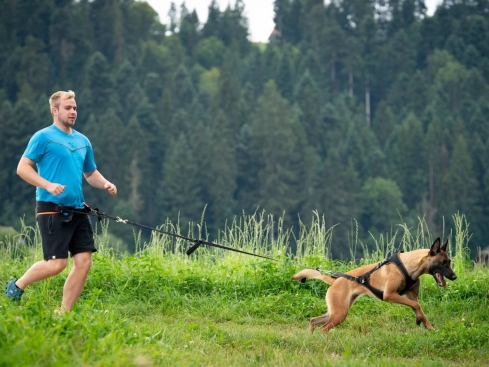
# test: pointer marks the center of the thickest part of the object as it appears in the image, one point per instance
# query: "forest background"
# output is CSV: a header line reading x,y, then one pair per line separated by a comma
x,y
366,113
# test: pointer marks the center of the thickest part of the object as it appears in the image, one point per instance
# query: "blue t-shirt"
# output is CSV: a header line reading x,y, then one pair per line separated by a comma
x,y
61,158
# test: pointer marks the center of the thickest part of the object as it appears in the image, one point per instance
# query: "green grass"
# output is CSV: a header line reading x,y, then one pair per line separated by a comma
x,y
217,308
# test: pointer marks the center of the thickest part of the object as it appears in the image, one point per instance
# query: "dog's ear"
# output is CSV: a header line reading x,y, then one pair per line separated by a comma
x,y
444,246
435,247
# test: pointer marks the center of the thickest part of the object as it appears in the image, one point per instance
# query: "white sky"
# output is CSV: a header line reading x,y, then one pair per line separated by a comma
x,y
259,13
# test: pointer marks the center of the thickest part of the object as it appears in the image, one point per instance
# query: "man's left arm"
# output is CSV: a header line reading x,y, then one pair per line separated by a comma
x,y
98,181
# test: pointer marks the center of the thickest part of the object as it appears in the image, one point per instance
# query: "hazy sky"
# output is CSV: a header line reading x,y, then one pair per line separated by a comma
x,y
259,13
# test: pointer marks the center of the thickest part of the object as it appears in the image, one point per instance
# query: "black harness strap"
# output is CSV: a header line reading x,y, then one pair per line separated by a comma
x,y
364,279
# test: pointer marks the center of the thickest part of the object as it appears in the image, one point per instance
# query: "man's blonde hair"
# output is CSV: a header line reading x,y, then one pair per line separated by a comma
x,y
56,97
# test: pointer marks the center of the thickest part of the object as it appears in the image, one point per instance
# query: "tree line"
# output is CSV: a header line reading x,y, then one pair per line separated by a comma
x,y
359,110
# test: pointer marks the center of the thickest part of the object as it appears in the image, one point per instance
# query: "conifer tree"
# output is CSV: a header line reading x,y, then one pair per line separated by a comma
x,y
247,168
383,206
19,196
105,134
383,123
222,168
339,188
229,93
209,52
277,135
434,143
462,187
108,28
99,86
6,115
212,25
285,73
141,23
179,191
135,185
307,96
130,92
418,93
188,30
153,136
410,161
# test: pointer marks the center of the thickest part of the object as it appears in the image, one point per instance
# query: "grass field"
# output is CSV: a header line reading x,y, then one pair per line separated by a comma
x,y
160,307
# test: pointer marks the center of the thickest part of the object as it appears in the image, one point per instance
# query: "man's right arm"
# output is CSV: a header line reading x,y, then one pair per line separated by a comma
x,y
26,170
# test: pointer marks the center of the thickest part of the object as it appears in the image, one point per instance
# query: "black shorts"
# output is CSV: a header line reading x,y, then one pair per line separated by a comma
x,y
62,233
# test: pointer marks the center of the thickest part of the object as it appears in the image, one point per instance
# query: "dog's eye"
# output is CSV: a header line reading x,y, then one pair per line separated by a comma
x,y
443,263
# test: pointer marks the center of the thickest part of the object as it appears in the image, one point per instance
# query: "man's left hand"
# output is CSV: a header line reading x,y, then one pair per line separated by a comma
x,y
111,188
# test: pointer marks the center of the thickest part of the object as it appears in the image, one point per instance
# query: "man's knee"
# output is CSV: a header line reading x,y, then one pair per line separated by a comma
x,y
57,266
83,260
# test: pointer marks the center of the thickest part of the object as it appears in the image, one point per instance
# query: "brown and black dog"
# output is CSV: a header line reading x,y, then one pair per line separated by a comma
x,y
389,280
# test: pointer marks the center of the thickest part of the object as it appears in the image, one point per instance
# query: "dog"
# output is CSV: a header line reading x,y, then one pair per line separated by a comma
x,y
395,279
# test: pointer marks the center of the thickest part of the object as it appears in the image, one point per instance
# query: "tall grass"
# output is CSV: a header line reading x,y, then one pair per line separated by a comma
x,y
160,307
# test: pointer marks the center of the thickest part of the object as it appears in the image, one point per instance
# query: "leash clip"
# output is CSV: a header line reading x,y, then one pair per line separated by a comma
x,y
120,220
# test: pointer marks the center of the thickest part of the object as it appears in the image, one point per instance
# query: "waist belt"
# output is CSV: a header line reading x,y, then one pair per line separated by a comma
x,y
45,207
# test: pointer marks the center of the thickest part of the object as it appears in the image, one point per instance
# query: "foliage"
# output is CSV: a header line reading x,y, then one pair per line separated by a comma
x,y
159,307
348,92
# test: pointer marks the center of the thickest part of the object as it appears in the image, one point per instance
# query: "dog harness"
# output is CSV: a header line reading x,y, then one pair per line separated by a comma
x,y
364,279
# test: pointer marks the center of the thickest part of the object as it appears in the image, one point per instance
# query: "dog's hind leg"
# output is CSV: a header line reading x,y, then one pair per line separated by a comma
x,y
319,320
338,306
334,320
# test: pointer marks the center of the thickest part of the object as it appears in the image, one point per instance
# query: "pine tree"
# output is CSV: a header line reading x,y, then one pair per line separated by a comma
x,y
399,57
474,30
141,22
229,93
130,92
209,52
384,122
179,190
188,30
7,117
108,28
434,154
480,156
247,167
418,93
99,86
285,73
212,25
223,170
307,96
19,196
136,184
154,136
233,28
462,187
276,135
410,161
383,206
339,187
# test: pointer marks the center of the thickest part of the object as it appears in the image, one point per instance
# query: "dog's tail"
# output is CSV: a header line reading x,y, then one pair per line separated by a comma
x,y
312,274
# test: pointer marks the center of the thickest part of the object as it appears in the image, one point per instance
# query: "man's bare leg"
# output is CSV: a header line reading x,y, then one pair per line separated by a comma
x,y
76,280
41,270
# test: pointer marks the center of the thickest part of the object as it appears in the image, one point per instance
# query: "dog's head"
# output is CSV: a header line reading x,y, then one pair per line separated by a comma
x,y
439,263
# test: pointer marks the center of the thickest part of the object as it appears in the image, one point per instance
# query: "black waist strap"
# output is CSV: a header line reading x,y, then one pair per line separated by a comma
x,y
48,207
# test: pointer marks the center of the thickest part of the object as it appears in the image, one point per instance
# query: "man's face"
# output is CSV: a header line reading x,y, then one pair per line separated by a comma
x,y
66,112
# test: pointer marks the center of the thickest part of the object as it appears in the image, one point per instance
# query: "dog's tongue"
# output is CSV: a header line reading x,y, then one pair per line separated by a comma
x,y
440,280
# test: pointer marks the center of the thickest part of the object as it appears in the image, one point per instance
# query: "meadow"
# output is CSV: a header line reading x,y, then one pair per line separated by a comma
x,y
160,307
